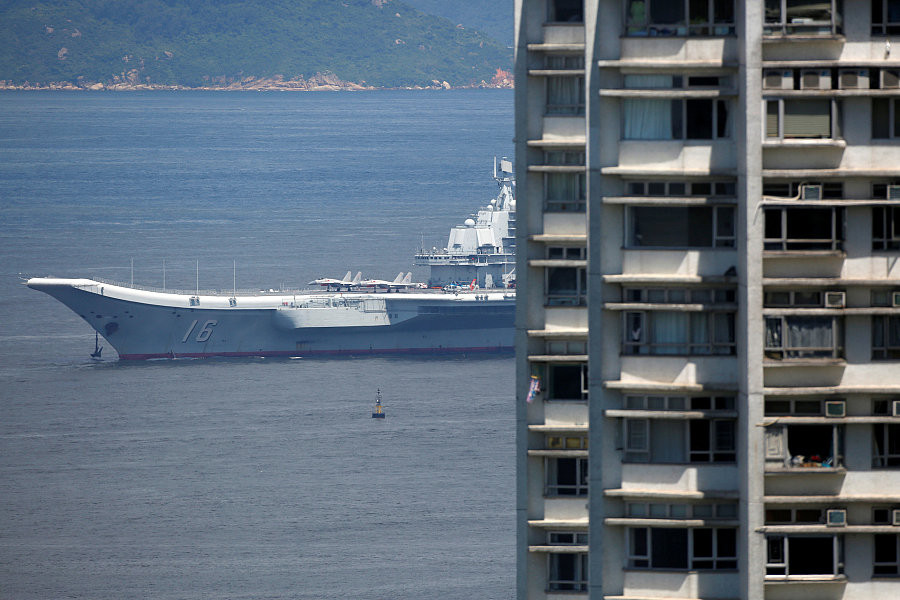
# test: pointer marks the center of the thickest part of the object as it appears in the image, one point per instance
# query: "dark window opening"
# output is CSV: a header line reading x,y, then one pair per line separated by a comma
x,y
566,11
682,227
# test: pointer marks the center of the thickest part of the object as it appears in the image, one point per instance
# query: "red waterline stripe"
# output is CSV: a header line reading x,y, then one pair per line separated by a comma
x,y
287,353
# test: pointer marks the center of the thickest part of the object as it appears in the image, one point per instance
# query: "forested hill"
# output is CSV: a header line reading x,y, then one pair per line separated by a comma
x,y
196,43
493,17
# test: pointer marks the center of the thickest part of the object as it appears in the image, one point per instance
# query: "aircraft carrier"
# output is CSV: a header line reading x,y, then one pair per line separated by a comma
x,y
471,310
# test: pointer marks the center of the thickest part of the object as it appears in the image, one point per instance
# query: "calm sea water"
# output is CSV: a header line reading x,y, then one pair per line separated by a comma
x,y
244,478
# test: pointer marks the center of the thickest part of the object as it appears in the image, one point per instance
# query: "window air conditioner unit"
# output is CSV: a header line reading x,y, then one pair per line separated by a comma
x,y
895,517
852,79
835,299
895,408
810,192
778,80
835,408
890,78
893,192
836,517
815,79
895,299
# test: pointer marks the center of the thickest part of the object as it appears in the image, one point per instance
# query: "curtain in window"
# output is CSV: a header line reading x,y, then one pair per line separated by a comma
x,y
669,333
565,95
668,442
814,334
700,333
648,119
565,187
723,330
773,333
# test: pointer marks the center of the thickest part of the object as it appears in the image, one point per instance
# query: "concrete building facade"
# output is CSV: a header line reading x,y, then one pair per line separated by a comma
x,y
708,325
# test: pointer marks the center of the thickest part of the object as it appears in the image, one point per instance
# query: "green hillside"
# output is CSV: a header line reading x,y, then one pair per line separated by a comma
x,y
493,17
191,42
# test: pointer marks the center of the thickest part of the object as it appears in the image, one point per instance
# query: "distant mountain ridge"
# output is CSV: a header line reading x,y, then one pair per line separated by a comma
x,y
309,44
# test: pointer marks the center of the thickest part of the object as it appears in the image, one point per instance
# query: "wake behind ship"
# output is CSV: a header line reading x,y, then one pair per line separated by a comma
x,y
355,319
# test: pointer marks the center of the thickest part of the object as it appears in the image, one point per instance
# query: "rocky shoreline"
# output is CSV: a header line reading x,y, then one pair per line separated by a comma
x,y
320,82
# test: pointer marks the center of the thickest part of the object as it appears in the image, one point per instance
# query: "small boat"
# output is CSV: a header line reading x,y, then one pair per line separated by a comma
x,y
378,411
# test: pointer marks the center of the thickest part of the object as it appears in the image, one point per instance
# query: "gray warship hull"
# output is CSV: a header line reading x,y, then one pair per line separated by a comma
x,y
143,324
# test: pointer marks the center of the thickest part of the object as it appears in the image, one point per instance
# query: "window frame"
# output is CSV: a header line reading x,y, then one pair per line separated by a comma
x,y
772,541
885,459
686,347
834,128
580,567
787,244
642,452
643,561
718,240
783,352
552,12
578,204
579,489
550,387
560,109
881,327
888,238
719,122
894,564
783,27
577,297
880,24
893,120
685,28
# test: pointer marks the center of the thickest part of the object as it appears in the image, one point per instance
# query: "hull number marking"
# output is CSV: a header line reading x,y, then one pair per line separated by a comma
x,y
203,334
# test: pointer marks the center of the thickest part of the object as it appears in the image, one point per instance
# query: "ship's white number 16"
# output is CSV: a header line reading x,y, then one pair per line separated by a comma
x,y
203,334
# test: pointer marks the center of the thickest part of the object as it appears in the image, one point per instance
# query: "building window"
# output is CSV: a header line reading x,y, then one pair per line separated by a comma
x,y
565,347
566,286
565,192
795,516
886,228
682,119
679,441
804,337
568,572
798,408
832,190
805,446
885,118
676,548
571,158
887,554
567,477
886,445
794,118
657,510
680,226
565,95
656,18
566,442
724,189
885,337
788,556
565,11
679,295
680,333
679,403
803,17
566,252
885,17
567,381
795,229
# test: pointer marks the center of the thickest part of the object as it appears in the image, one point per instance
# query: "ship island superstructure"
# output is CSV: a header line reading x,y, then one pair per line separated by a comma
x,y
483,248
355,319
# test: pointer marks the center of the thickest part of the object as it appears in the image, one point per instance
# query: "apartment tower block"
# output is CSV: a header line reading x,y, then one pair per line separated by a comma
x,y
708,327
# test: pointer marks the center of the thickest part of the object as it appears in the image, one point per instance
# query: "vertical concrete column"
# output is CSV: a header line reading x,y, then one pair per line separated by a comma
x,y
520,72
750,332
602,27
